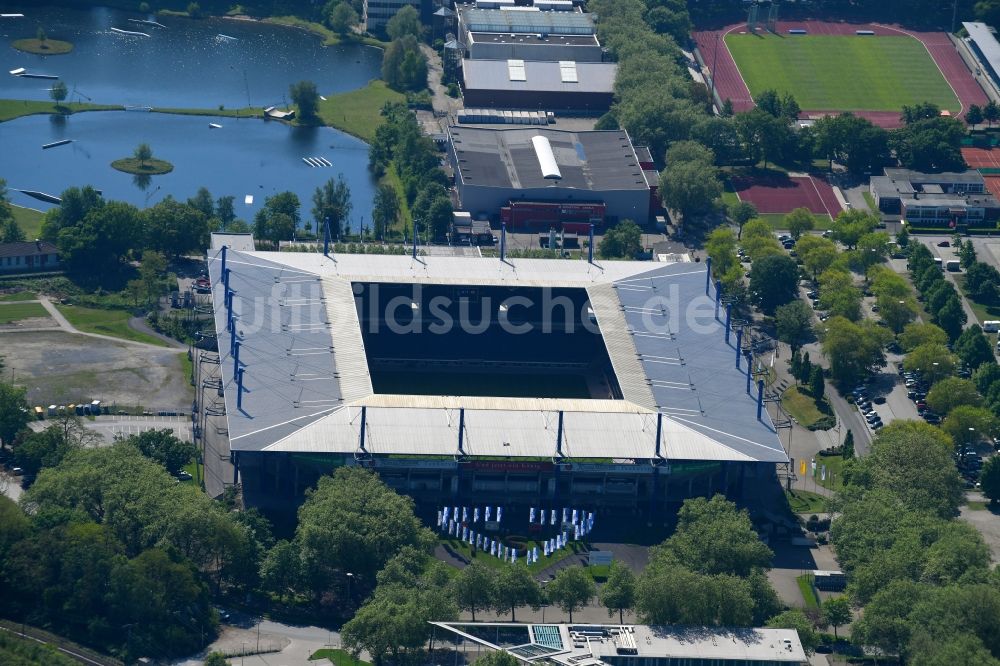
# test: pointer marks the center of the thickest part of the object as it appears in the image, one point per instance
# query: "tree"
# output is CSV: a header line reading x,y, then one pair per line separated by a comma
x,y
774,281
803,626
281,569
385,209
799,221
174,228
278,219
514,587
850,225
991,112
224,210
817,254
714,537
854,350
143,153
885,622
762,134
973,348
14,412
953,392
353,522
404,22
497,658
404,66
847,450
816,385
740,213
967,424
836,612
305,97
58,92
989,479
932,361
622,241
332,202
793,322
216,659
669,593
618,593
930,144
571,590
917,334
194,10
163,447
974,115
342,18
473,588
689,187
872,249
202,201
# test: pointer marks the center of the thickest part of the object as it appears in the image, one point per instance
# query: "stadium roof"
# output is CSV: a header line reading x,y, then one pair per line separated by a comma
x,y
589,644
591,160
984,38
306,380
544,23
568,77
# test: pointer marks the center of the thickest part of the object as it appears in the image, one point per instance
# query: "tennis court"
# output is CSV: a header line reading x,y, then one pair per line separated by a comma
x,y
781,193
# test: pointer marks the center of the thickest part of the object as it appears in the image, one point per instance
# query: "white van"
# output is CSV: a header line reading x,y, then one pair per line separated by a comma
x,y
991,326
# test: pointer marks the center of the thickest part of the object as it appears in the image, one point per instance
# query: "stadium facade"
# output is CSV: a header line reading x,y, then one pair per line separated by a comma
x,y
518,382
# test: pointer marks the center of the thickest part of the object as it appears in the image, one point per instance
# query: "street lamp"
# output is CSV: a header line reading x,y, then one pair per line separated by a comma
x,y
349,577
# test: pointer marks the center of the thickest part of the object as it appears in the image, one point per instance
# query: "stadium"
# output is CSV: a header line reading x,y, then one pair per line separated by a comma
x,y
613,385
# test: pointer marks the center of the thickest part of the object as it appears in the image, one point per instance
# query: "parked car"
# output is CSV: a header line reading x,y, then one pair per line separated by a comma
x,y
944,243
879,400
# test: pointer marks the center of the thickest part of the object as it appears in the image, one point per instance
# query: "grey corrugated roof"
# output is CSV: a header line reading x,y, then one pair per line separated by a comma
x,y
306,375
592,77
595,160
27,249
919,177
981,34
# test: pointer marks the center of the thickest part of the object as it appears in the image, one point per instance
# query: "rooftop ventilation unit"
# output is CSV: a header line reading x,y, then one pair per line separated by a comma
x,y
546,159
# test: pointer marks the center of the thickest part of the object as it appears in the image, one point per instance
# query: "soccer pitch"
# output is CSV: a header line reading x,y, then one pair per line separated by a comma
x,y
842,73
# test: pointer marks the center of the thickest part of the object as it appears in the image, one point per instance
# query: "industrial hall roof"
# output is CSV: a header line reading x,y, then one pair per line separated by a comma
x,y
590,160
303,382
534,75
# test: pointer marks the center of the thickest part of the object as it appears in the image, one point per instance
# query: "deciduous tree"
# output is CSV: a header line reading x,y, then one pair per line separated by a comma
x,y
793,322
571,590
618,592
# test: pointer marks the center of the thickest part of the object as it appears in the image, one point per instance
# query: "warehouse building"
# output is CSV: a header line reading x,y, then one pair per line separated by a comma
x,y
935,199
523,34
583,88
536,178
633,645
614,385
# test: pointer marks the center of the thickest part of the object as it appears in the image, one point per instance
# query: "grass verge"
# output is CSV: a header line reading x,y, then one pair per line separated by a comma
x,y
245,112
10,312
329,37
19,296
869,200
842,73
798,402
38,47
391,178
803,501
15,108
151,167
977,506
834,471
29,219
105,322
337,657
805,583
464,549
358,112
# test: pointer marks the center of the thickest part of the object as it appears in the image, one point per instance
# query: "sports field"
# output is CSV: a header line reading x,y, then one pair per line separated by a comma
x,y
842,73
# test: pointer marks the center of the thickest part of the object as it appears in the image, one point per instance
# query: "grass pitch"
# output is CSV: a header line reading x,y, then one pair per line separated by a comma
x,y
842,73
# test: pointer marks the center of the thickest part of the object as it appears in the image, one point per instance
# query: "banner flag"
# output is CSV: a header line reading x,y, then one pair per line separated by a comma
x,y
499,513
822,473
576,533
475,515
813,466
531,515
487,516
802,467
553,520
565,514
574,517
446,512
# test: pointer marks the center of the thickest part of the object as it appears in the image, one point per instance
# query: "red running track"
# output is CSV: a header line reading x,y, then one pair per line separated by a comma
x,y
782,194
730,84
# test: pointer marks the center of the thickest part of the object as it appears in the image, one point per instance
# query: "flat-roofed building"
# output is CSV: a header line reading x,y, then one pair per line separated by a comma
x,y
599,177
935,199
634,645
586,88
495,34
984,44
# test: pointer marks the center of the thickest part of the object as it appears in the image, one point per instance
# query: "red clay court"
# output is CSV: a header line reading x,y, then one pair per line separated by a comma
x,y
779,193
984,158
730,85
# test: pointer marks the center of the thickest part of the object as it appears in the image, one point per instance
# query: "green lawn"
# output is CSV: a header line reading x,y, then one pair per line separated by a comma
x,y
834,471
15,108
572,548
337,657
797,402
29,219
19,296
15,312
842,73
870,200
805,582
977,506
803,501
357,111
105,322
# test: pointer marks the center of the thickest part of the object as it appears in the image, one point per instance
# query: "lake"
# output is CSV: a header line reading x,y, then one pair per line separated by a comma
x,y
187,64
248,156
